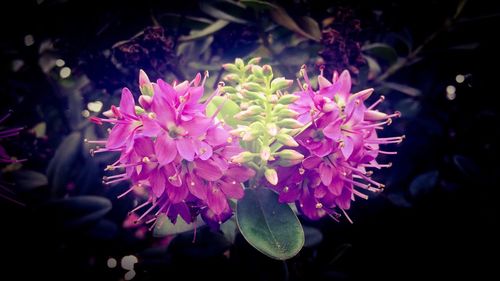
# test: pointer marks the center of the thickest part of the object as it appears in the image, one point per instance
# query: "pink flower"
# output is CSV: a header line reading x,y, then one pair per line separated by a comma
x,y
170,147
340,144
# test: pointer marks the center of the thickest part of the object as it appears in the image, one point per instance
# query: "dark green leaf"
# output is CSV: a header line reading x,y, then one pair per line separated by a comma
x,y
405,89
270,227
424,183
381,51
165,227
257,4
214,27
26,180
311,27
313,236
62,162
226,10
229,109
466,165
77,211
176,20
229,230
281,17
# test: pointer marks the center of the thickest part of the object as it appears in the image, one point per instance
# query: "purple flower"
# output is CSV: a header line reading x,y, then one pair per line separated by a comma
x,y
170,148
340,144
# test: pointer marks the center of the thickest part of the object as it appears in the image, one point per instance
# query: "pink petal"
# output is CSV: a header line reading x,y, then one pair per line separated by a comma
x,y
119,135
150,127
203,150
157,181
325,173
232,189
197,126
127,104
311,162
216,136
347,147
186,148
144,146
166,91
216,200
336,186
333,130
206,170
163,109
196,186
240,173
177,194
165,149
344,200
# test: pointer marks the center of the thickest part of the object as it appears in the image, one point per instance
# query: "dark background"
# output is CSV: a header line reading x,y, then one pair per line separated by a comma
x,y
437,218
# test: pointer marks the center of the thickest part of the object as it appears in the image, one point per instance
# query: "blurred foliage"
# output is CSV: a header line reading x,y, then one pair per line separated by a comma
x,y
436,217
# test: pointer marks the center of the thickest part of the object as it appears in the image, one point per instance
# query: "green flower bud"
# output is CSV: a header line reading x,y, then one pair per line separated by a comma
x,y
239,63
255,60
252,95
257,71
280,83
265,153
288,99
286,140
243,157
288,163
228,89
139,110
289,154
271,176
267,70
252,86
287,113
232,77
272,129
230,67
290,123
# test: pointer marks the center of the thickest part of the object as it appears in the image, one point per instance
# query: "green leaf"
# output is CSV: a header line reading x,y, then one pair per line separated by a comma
x,y
165,227
270,227
313,236
424,183
27,180
77,211
229,109
405,89
257,4
62,162
214,27
311,27
176,20
281,17
226,10
382,52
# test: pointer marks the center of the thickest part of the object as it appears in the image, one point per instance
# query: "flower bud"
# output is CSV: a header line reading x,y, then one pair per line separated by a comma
x,y
239,63
267,70
139,110
287,113
271,176
286,140
255,60
290,123
228,89
144,84
257,71
243,157
272,129
145,101
232,77
288,163
290,154
280,83
288,99
374,115
252,86
252,95
265,153
230,67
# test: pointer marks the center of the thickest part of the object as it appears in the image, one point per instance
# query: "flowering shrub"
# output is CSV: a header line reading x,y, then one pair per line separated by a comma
x,y
197,154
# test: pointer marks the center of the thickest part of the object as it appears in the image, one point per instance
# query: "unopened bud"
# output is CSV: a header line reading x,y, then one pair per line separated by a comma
x,y
290,123
287,113
267,70
230,67
252,95
252,86
144,84
271,176
280,83
145,101
257,71
228,89
239,63
265,153
374,115
243,157
255,60
286,140
290,154
272,129
232,77
288,99
139,110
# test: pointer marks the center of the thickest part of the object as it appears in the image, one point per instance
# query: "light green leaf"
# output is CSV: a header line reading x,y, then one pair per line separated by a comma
x,y
165,227
229,109
214,27
229,14
281,17
270,227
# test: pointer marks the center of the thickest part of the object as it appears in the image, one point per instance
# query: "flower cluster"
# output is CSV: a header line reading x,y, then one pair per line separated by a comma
x,y
192,154
170,147
340,145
